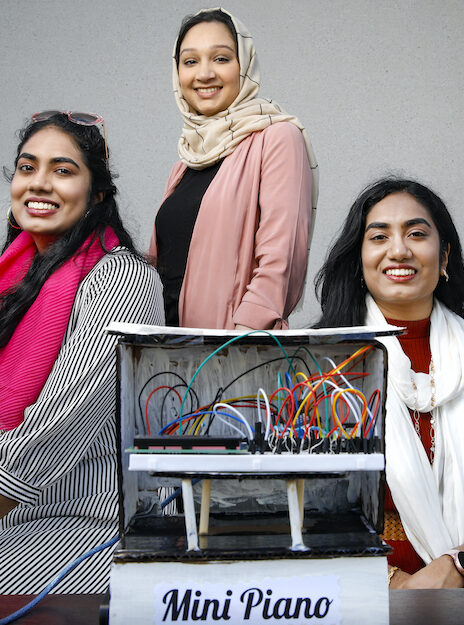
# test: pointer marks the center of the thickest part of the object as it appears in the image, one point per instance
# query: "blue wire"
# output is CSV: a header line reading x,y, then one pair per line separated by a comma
x,y
288,380
223,414
67,569
279,385
174,495
295,396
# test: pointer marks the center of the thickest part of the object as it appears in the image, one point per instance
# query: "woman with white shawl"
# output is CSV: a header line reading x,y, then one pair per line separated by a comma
x,y
398,260
231,236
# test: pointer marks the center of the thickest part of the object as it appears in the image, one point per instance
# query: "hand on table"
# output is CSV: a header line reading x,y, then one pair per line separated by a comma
x,y
440,573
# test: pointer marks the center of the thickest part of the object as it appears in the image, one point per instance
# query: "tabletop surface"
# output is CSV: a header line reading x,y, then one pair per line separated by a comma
x,y
55,609
407,607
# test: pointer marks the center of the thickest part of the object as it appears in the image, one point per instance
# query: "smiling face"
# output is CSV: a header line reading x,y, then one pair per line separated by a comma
x,y
50,186
209,72
401,257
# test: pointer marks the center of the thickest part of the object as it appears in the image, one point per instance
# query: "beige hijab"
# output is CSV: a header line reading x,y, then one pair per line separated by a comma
x,y
205,140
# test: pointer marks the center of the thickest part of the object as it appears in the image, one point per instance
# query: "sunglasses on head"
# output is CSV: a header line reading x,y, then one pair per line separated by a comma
x,y
83,119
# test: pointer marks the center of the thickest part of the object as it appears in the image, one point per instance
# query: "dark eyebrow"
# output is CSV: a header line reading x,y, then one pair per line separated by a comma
x,y
377,224
219,45
31,157
64,159
410,222
57,159
418,220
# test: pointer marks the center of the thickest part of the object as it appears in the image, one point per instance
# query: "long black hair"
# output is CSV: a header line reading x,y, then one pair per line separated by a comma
x,y
339,283
211,15
101,211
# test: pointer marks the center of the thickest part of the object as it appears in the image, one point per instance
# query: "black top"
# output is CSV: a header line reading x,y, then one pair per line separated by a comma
x,y
174,227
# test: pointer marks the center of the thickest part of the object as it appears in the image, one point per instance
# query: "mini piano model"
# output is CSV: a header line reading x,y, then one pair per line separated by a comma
x,y
251,476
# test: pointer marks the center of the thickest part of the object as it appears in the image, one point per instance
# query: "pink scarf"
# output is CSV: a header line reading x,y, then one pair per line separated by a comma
x,y
28,358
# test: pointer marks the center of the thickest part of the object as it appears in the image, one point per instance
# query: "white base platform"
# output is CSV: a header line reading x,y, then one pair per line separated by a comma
x,y
255,463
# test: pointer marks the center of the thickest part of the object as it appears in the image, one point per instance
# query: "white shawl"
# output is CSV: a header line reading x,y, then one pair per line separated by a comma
x,y
429,499
205,140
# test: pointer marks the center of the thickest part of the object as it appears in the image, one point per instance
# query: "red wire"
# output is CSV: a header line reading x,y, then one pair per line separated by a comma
x,y
289,397
373,410
291,416
148,399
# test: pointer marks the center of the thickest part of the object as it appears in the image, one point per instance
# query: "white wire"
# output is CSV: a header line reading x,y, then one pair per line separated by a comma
x,y
268,411
334,366
227,407
369,412
272,442
231,425
311,449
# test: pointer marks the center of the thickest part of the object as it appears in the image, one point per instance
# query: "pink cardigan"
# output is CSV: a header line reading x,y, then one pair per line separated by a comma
x,y
249,249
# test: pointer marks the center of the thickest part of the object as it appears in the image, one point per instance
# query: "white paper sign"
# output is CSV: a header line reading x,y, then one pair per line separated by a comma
x,y
301,599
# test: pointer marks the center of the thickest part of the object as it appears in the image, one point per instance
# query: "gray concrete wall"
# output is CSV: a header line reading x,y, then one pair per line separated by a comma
x,y
378,84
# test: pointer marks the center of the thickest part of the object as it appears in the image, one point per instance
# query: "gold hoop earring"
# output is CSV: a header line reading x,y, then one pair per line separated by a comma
x,y
8,215
444,273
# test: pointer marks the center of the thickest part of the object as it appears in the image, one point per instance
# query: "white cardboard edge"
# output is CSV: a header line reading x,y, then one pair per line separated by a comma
x,y
147,330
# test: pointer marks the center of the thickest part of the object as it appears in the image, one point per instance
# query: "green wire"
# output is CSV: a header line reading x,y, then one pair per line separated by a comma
x,y
233,340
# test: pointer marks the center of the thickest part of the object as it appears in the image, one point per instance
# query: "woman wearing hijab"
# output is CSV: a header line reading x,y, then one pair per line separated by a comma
x,y
231,236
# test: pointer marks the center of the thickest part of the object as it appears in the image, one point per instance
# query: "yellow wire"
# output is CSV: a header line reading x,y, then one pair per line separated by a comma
x,y
305,379
312,393
354,391
196,426
334,413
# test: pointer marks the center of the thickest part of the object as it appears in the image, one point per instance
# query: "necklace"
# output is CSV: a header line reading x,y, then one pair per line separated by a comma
x,y
416,413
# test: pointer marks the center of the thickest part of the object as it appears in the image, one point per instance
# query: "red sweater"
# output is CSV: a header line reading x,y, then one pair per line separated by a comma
x,y
416,346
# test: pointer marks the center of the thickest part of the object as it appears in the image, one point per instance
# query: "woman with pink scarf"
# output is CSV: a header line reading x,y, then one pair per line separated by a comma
x,y
67,270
